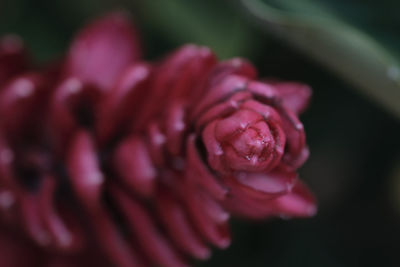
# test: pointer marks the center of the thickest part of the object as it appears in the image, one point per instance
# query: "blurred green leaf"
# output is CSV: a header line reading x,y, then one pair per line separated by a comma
x,y
208,22
393,187
315,28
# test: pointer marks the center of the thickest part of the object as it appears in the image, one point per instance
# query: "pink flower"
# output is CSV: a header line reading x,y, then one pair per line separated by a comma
x,y
254,140
144,162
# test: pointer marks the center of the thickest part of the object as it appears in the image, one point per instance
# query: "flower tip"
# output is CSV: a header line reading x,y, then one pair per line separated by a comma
x,y
296,96
204,254
110,38
11,43
312,210
118,16
224,243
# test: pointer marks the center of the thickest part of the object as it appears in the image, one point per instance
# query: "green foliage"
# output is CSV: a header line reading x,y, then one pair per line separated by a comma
x,y
211,23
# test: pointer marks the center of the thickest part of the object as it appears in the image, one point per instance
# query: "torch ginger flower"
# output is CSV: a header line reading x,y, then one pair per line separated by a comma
x,y
142,161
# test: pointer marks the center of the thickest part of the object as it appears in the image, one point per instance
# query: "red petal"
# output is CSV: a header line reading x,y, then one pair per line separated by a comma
x,y
13,60
157,141
253,195
275,123
295,96
262,185
102,50
175,127
213,208
64,238
22,103
155,245
296,151
197,172
213,148
114,244
195,71
178,227
7,176
221,110
70,98
268,112
134,165
117,108
33,222
299,203
263,91
61,120
234,66
235,123
16,251
175,79
84,170
220,92
8,211
214,231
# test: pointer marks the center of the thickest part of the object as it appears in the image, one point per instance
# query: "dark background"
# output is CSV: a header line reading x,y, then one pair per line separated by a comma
x,y
354,168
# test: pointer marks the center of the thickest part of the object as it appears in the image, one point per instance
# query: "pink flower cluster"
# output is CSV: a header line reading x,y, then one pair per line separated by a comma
x,y
142,161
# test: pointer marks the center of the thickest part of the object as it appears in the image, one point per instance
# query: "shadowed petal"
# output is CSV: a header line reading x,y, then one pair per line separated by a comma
x,y
13,58
84,170
177,78
133,164
155,245
198,173
179,228
299,203
125,99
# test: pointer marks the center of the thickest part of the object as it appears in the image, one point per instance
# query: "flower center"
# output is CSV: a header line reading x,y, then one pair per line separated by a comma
x,y
251,145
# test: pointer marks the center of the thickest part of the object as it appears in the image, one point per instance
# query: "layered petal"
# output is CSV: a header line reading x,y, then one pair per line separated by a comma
x,y
295,96
133,164
87,179
124,102
299,203
177,78
23,102
102,50
253,195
